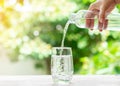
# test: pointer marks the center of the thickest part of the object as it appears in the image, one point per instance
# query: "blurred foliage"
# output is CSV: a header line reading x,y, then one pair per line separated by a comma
x,y
30,28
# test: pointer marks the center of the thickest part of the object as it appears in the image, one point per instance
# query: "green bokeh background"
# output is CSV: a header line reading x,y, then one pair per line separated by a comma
x,y
30,28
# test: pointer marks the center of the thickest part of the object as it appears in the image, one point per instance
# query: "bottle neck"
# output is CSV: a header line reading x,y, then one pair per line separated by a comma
x,y
72,18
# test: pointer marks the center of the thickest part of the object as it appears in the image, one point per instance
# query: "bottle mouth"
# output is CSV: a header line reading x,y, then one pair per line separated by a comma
x,y
72,18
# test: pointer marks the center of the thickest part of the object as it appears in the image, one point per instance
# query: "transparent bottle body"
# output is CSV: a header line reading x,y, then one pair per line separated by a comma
x,y
79,19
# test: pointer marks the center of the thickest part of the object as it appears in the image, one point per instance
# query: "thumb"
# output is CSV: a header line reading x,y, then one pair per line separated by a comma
x,y
102,14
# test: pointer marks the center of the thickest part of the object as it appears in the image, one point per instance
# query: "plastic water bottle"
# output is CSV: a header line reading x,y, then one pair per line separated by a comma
x,y
84,17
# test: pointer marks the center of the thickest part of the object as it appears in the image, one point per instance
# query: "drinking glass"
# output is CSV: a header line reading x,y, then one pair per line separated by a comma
x,y
61,64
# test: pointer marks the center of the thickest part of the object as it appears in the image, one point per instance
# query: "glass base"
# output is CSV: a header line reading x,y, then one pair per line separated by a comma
x,y
60,82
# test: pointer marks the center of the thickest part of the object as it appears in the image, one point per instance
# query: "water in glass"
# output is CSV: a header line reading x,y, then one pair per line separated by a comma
x,y
62,64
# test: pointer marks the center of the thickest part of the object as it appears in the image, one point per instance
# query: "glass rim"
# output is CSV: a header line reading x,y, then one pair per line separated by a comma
x,y
61,48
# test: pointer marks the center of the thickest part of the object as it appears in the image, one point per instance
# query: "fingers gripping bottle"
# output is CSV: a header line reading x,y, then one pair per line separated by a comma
x,y
89,19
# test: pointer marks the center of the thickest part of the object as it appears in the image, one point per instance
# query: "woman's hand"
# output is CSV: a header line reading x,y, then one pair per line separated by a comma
x,y
103,8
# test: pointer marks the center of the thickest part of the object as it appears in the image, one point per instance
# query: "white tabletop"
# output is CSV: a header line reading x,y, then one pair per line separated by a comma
x,y
46,80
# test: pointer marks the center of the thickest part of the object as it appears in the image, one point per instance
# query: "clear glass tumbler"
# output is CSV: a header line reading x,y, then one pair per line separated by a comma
x,y
61,64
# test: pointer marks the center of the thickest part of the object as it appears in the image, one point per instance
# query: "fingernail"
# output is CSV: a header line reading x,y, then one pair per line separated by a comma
x,y
100,30
101,20
91,29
